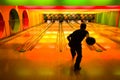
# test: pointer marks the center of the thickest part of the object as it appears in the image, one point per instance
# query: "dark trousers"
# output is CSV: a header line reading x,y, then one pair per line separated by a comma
x,y
77,49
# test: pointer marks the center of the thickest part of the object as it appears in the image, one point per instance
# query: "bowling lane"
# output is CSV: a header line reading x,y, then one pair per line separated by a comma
x,y
49,39
111,37
103,35
48,47
52,34
11,47
108,31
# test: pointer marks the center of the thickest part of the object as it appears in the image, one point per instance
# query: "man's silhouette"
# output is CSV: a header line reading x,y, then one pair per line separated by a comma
x,y
75,40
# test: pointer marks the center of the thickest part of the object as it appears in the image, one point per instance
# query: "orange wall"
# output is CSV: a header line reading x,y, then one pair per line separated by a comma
x,y
5,11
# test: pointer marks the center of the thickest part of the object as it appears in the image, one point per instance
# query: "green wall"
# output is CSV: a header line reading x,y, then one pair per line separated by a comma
x,y
107,18
119,22
60,2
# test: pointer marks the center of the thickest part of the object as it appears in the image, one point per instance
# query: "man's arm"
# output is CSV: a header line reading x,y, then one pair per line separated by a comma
x,y
69,37
87,35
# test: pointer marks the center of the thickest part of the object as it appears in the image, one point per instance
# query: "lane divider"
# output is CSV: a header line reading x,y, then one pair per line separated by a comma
x,y
101,46
31,44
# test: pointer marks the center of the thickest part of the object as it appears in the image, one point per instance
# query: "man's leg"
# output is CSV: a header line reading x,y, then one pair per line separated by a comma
x,y
78,59
73,53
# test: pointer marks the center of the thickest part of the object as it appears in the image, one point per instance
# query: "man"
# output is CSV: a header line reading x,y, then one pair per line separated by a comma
x,y
75,40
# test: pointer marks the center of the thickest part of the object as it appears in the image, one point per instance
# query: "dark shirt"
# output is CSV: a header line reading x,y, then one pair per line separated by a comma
x,y
77,36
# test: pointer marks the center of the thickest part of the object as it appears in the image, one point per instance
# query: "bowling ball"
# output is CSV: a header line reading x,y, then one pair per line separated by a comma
x,y
90,40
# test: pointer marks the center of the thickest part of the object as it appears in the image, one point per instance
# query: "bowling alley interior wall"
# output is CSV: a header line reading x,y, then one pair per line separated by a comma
x,y
111,18
14,20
